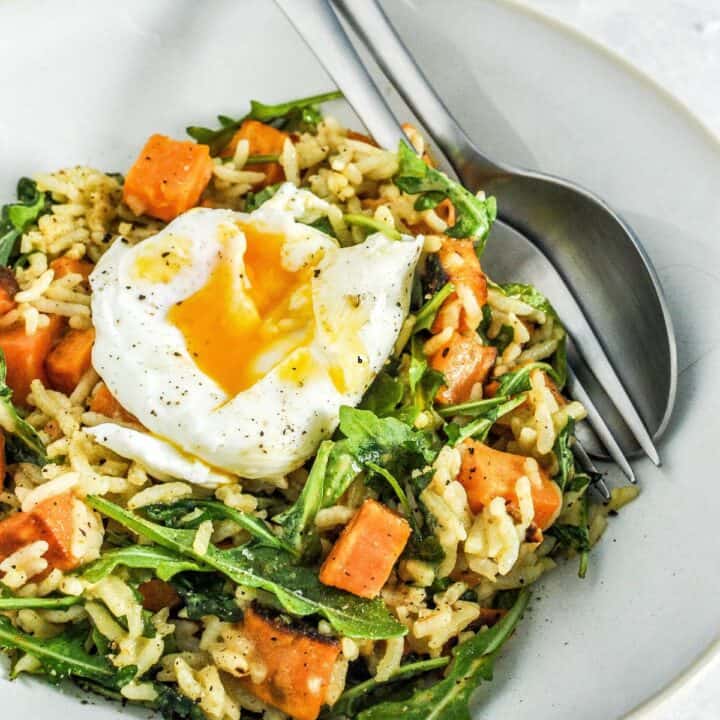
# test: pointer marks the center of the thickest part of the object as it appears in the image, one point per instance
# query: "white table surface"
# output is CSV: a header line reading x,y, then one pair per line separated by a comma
x,y
677,44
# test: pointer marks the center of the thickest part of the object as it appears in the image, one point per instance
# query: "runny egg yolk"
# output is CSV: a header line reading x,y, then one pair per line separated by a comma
x,y
249,316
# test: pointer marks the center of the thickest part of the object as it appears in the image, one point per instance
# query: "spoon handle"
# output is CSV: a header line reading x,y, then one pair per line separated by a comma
x,y
375,32
317,24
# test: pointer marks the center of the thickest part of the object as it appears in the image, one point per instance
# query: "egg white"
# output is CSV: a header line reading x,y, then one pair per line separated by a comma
x,y
360,298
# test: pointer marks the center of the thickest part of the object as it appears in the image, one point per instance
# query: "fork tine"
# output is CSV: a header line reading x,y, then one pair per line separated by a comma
x,y
588,466
377,34
592,352
578,392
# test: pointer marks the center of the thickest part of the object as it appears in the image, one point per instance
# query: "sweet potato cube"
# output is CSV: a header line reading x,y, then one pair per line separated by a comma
x,y
361,560
299,666
486,474
262,140
25,355
70,359
464,361
168,177
51,521
65,266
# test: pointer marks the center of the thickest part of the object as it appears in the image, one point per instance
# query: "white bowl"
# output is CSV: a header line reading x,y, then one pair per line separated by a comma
x,y
86,82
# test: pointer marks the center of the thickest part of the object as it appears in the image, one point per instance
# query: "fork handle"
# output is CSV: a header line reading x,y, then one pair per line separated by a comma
x,y
375,32
318,25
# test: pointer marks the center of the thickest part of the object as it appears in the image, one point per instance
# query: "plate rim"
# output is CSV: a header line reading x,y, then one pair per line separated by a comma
x,y
711,653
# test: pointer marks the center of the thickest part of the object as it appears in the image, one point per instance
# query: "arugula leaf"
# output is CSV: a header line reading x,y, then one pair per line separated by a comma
x,y
564,454
533,297
426,315
360,696
472,408
64,656
387,442
296,588
394,484
342,468
369,223
474,217
16,218
575,537
503,338
480,427
25,443
383,396
43,603
299,520
253,200
472,663
296,115
165,563
323,225
519,380
203,595
173,515
261,159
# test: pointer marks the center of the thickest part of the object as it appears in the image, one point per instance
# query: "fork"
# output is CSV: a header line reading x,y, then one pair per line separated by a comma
x,y
317,22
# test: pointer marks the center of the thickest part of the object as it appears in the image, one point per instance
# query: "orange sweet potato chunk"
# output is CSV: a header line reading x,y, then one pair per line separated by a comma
x,y
298,665
486,474
51,521
464,361
25,355
262,140
104,403
361,560
70,359
65,266
168,177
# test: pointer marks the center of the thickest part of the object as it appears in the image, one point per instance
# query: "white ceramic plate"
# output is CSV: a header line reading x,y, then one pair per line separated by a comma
x,y
86,82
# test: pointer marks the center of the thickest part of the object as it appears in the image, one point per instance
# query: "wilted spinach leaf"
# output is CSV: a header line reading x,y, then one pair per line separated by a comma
x,y
16,218
204,595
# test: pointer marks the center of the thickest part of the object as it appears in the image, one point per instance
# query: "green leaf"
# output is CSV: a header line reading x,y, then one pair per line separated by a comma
x,y
43,603
360,696
299,520
533,297
387,442
426,315
474,408
519,380
564,454
323,225
254,200
62,656
474,217
481,425
383,396
296,588
296,115
173,515
166,563
174,706
204,595
261,159
25,444
503,338
472,663
393,483
372,225
16,218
